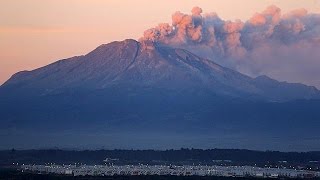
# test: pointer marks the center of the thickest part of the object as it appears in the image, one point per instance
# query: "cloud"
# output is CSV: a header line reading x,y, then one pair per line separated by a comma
x,y
283,46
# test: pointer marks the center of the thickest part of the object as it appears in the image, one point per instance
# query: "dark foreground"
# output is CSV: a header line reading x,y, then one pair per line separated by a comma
x,y
17,175
221,157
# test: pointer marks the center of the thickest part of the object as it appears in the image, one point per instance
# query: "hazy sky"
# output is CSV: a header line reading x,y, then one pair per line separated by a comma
x,y
34,33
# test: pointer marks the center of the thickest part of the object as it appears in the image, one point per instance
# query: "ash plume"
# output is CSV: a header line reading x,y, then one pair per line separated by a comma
x,y
284,46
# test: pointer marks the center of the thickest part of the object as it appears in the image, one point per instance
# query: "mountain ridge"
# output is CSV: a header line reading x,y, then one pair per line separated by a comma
x,y
149,64
154,96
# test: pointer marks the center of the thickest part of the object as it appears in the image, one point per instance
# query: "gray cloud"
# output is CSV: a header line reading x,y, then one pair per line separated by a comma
x,y
283,46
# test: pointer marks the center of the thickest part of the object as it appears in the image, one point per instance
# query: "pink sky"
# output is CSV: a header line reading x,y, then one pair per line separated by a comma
x,y
34,33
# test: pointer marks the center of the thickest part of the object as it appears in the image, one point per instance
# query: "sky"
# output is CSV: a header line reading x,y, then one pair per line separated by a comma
x,y
34,33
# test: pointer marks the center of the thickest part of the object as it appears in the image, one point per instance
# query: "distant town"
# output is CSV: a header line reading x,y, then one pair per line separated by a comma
x,y
172,170
157,164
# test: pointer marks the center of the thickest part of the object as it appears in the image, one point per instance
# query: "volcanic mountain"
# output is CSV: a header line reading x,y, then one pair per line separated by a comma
x,y
148,65
154,96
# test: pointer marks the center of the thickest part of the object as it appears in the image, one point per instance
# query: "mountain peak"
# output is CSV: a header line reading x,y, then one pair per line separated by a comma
x,y
152,65
147,45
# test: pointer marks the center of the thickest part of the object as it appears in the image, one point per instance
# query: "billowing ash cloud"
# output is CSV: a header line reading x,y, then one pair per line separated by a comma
x,y
283,46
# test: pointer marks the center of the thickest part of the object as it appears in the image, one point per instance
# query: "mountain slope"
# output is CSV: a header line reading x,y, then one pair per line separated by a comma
x,y
154,96
145,64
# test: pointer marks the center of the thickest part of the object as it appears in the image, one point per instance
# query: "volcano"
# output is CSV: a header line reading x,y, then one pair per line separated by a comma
x,y
132,94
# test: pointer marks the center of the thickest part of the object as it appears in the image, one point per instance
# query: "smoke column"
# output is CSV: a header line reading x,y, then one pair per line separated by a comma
x,y
282,46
